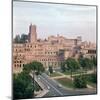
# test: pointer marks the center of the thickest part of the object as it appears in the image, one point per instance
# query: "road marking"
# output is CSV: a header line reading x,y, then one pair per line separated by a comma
x,y
52,86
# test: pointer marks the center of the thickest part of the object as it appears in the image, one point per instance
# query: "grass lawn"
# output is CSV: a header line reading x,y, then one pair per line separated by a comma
x,y
67,73
73,73
65,82
54,74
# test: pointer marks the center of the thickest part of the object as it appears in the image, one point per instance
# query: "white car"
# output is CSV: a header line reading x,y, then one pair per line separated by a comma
x,y
39,78
48,87
59,85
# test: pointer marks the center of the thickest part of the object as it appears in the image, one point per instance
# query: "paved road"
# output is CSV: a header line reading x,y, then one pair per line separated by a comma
x,y
55,90
51,85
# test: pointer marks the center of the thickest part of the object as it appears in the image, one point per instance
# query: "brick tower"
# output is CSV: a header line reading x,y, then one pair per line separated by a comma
x,y
32,33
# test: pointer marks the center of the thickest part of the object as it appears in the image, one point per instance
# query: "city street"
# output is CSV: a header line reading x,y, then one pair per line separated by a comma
x,y
55,89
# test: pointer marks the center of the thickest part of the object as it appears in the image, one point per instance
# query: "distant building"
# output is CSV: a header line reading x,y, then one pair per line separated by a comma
x,y
50,52
32,33
88,49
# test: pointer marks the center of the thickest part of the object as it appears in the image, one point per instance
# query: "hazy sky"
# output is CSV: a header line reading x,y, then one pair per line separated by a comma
x,y
52,19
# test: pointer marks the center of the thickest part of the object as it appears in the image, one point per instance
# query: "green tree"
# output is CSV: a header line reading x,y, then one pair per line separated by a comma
x,y
86,63
92,77
63,67
94,60
23,38
72,65
50,69
80,82
33,68
22,86
17,39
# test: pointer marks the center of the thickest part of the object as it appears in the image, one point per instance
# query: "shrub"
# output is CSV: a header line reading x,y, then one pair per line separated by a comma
x,y
92,78
80,82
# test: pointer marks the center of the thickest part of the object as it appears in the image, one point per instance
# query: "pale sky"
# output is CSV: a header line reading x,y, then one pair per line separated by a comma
x,y
52,19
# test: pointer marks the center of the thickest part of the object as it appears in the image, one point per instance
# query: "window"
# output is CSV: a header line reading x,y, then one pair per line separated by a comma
x,y
28,46
17,65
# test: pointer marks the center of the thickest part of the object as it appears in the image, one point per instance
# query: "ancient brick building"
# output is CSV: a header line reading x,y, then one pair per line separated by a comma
x,y
50,52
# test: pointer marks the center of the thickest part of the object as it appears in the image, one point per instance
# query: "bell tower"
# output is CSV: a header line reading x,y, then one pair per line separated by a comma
x,y
32,33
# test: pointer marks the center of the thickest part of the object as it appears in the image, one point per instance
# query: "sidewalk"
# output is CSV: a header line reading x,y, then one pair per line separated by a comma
x,y
43,91
63,76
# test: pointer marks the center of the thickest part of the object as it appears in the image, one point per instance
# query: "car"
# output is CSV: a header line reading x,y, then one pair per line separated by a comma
x,y
48,87
39,78
59,85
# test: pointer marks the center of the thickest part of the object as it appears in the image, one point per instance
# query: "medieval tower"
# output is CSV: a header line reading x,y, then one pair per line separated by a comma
x,y
32,33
